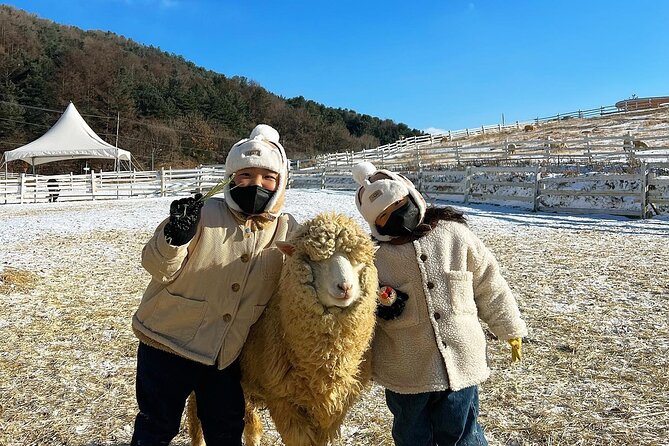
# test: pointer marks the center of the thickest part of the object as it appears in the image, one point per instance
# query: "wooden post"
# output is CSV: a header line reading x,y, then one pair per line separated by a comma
x,y
323,178
468,184
93,183
162,181
537,188
22,187
644,189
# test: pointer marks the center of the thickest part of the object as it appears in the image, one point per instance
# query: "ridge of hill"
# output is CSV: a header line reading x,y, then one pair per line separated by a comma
x,y
170,110
614,136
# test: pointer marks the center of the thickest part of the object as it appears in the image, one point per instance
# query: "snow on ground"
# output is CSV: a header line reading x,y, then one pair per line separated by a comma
x,y
594,290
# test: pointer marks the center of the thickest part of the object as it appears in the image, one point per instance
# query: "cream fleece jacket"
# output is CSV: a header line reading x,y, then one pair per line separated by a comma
x,y
205,295
437,342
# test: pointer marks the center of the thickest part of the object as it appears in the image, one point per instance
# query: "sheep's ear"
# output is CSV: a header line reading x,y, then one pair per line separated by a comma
x,y
286,248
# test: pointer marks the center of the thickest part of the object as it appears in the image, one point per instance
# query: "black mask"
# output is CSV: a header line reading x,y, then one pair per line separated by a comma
x,y
402,221
251,199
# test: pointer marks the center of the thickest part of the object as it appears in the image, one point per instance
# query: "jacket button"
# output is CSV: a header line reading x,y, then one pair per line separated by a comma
x,y
437,316
430,285
235,286
227,317
423,257
244,258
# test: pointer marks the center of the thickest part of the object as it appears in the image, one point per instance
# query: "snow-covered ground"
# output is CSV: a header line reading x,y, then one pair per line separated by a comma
x,y
594,290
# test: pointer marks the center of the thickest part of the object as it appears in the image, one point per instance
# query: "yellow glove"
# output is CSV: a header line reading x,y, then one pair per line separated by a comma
x,y
516,349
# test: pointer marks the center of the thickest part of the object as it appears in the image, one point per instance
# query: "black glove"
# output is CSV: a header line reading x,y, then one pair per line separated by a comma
x,y
387,310
184,217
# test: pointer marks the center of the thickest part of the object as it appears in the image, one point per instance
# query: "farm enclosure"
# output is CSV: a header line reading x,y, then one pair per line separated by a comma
x,y
595,293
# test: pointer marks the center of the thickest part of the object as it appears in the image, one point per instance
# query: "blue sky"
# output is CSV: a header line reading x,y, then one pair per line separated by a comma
x,y
446,64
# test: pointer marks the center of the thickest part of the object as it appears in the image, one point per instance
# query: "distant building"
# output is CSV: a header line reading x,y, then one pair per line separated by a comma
x,y
641,103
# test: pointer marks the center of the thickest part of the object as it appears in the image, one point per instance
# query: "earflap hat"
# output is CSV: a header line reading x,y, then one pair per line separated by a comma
x,y
380,188
262,150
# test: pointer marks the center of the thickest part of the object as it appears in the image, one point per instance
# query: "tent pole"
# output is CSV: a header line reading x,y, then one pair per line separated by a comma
x,y
33,165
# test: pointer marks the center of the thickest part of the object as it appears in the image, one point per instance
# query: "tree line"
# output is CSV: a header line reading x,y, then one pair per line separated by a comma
x,y
171,112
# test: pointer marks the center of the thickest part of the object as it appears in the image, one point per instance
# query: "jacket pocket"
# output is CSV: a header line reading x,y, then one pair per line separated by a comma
x,y
271,262
460,286
409,317
174,317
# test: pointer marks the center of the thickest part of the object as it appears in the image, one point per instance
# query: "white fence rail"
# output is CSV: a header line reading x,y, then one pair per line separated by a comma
x,y
539,188
430,150
26,188
546,188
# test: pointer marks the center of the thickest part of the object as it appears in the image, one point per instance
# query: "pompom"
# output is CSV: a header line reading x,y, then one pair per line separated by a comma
x,y
267,132
362,171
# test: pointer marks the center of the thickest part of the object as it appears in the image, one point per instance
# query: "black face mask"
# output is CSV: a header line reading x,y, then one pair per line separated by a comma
x,y
251,199
402,221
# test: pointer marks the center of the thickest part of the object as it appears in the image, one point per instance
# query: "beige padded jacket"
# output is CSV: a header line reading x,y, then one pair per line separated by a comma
x,y
437,342
205,295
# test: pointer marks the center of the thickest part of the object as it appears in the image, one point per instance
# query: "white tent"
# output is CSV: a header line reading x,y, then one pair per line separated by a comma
x,y
69,138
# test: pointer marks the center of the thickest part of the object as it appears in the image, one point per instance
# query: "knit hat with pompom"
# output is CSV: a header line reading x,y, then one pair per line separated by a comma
x,y
380,188
263,150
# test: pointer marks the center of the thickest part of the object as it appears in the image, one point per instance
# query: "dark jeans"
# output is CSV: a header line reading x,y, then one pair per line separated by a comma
x,y
436,418
164,382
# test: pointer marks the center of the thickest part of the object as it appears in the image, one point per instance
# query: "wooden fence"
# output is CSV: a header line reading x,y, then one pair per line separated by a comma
x,y
26,188
432,151
539,188
642,192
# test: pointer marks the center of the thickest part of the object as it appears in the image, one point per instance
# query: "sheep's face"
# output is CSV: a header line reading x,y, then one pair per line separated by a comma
x,y
336,280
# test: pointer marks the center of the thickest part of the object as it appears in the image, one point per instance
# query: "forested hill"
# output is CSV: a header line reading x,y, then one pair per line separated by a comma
x,y
169,108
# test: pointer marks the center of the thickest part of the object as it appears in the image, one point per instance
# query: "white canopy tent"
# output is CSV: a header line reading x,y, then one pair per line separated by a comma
x,y
69,138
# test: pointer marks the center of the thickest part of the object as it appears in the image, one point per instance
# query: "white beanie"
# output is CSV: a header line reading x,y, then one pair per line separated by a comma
x,y
262,150
373,198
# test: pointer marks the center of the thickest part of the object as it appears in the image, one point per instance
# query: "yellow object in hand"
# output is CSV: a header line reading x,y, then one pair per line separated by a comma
x,y
516,349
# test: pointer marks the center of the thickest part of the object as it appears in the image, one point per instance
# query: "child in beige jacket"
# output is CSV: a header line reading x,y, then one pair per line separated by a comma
x,y
438,279
214,266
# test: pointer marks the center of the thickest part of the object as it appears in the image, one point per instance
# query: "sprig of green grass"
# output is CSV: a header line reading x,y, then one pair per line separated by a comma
x,y
218,188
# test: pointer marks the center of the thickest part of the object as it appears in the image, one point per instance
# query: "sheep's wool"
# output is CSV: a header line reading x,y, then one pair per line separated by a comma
x,y
313,359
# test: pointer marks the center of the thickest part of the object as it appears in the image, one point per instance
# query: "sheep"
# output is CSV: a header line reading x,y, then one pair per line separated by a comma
x,y
629,144
307,358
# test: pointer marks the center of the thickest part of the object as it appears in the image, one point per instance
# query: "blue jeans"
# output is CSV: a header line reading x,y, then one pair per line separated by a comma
x,y
436,418
164,381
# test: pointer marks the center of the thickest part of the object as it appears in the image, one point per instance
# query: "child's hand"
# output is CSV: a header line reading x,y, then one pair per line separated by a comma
x,y
184,217
391,303
516,349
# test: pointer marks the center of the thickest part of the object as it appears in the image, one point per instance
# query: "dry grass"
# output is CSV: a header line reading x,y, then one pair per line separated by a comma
x,y
14,280
595,369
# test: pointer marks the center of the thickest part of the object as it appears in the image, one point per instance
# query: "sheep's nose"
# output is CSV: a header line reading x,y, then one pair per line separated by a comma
x,y
345,288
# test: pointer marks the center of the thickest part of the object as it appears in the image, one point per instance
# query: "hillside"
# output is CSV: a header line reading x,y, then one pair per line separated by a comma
x,y
606,137
170,109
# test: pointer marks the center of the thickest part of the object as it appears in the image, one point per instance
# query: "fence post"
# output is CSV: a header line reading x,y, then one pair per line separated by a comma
x,y
93,183
468,184
419,176
644,189
22,187
323,178
537,188
162,181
